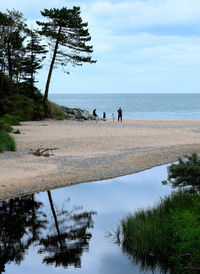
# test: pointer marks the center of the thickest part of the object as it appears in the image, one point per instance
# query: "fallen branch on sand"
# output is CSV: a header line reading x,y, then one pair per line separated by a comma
x,y
46,152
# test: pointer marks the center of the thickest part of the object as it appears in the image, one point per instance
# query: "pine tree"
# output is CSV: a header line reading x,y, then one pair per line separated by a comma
x,y
12,33
67,35
32,62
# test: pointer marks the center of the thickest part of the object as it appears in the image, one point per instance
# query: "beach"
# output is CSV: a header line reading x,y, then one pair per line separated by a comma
x,y
89,151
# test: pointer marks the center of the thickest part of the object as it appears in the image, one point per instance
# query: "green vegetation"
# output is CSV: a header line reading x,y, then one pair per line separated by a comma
x,y
17,131
7,121
169,233
68,36
22,55
56,111
185,173
6,142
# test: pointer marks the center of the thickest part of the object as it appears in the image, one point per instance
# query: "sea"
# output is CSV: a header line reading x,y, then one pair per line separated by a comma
x,y
168,106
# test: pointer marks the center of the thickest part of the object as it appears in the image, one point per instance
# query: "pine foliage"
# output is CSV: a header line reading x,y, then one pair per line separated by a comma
x,y
67,36
185,173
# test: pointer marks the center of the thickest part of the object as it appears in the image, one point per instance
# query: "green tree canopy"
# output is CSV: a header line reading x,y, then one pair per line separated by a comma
x,y
12,33
32,62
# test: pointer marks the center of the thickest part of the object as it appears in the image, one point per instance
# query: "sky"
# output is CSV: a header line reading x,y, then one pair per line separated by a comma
x,y
141,46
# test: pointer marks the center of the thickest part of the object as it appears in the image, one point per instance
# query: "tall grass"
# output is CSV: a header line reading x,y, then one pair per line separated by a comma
x,y
56,111
170,230
6,142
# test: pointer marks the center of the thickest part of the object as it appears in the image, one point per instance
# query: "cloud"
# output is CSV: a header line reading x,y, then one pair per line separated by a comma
x,y
31,8
134,41
146,13
147,48
137,13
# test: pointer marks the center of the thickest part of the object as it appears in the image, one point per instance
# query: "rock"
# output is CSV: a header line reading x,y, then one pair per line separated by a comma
x,y
71,116
67,110
91,117
85,114
77,113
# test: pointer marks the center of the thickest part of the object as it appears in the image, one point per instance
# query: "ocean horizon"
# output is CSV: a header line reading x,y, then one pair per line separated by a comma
x,y
140,106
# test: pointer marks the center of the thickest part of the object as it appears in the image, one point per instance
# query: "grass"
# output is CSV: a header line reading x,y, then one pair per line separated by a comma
x,y
7,143
169,231
56,111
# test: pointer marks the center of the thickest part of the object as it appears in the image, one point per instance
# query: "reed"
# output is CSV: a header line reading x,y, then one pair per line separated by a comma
x,y
169,230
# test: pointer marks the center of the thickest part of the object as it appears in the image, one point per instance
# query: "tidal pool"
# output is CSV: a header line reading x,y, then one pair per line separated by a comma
x,y
65,230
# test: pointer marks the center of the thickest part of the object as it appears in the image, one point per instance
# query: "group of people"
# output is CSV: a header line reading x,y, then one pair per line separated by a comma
x,y
113,115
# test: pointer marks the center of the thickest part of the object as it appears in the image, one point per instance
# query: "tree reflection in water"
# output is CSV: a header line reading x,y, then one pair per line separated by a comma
x,y
23,223
20,226
149,262
68,236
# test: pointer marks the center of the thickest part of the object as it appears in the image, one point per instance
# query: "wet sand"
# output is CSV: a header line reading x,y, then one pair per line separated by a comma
x,y
88,152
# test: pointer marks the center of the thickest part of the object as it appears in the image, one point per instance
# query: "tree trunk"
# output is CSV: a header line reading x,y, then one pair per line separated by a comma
x,y
9,62
32,60
51,69
55,219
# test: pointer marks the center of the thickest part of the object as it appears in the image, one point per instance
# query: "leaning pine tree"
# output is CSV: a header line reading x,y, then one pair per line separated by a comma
x,y
67,35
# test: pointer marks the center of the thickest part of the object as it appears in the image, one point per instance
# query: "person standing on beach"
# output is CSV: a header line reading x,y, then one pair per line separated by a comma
x,y
119,114
113,117
95,115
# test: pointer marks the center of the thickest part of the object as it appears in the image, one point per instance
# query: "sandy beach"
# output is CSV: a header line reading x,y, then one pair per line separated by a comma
x,y
88,152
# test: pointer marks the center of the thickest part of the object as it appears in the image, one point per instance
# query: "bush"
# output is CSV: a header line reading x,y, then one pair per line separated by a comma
x,y
12,120
5,126
20,100
21,106
7,120
17,131
56,111
185,173
7,143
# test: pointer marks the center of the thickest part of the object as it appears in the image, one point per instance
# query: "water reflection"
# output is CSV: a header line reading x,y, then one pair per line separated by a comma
x,y
148,262
23,223
67,237
20,226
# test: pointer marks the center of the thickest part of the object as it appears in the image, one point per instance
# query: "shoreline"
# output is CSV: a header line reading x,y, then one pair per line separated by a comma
x,y
91,152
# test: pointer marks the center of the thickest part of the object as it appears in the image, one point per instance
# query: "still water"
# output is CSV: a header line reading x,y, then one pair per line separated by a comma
x,y
65,230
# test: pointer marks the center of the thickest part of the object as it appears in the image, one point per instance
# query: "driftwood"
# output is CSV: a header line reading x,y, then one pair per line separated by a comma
x,y
46,152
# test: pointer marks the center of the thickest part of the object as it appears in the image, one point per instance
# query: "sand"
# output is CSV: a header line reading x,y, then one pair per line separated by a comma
x,y
89,152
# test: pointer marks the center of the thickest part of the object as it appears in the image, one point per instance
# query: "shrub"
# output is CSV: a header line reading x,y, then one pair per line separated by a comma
x,y
5,126
7,120
12,119
17,131
56,111
20,100
185,173
7,143
21,106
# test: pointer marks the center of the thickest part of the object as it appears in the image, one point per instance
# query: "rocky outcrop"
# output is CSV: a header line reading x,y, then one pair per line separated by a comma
x,y
77,113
